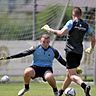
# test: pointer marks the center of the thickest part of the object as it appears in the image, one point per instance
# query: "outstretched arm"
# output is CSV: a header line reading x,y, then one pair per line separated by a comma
x,y
19,55
56,32
66,28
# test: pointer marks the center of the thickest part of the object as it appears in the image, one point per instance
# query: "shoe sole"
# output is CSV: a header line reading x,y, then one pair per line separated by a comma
x,y
22,94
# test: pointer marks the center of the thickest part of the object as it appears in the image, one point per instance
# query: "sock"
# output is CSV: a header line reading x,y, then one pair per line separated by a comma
x,y
61,92
55,89
83,85
27,86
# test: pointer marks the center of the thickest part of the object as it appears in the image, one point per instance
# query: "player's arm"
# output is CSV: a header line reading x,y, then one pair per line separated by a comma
x,y
61,32
59,58
21,54
56,32
93,42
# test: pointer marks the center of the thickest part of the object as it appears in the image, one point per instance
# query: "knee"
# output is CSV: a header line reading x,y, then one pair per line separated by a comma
x,y
28,72
48,76
74,78
71,77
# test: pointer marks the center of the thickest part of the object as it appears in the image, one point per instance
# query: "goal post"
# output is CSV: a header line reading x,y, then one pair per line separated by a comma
x,y
95,54
60,22
16,29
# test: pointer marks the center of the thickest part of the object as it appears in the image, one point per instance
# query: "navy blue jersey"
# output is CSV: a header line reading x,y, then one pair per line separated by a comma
x,y
77,31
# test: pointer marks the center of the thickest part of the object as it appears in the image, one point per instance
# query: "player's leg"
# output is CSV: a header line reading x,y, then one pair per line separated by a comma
x,y
87,90
73,77
66,83
48,76
73,61
79,81
28,74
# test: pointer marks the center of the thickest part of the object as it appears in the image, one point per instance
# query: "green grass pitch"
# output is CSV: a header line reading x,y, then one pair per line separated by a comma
x,y
38,89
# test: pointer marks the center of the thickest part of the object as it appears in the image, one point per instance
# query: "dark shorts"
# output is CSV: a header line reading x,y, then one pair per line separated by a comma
x,y
40,71
73,60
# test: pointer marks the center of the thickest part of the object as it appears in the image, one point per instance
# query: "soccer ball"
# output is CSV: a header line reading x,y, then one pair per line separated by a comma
x,y
70,92
5,79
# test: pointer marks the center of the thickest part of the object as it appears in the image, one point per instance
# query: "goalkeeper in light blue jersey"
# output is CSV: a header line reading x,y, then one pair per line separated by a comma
x,y
43,56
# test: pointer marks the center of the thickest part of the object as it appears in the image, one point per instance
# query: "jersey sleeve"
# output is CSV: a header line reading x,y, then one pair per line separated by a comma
x,y
59,58
22,54
68,25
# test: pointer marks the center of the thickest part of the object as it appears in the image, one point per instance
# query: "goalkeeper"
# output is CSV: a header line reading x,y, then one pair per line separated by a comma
x,y
43,56
76,29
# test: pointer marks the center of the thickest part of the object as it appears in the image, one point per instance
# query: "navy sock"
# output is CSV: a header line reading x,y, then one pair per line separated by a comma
x,y
27,86
61,92
55,89
83,85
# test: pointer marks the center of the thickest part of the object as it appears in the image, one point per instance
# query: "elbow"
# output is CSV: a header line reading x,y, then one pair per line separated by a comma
x,y
60,34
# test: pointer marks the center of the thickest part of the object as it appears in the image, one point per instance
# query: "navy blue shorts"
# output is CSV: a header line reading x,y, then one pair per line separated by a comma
x,y
40,71
73,60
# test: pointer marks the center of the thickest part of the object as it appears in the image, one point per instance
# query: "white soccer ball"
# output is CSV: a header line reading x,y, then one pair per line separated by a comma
x,y
5,79
70,92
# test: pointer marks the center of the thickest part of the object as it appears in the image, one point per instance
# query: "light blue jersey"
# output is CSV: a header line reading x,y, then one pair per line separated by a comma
x,y
42,57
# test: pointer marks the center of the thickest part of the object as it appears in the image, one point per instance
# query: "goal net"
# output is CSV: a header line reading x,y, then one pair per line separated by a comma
x,y
20,28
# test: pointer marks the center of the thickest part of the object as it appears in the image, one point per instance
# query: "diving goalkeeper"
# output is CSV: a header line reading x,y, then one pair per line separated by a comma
x,y
43,56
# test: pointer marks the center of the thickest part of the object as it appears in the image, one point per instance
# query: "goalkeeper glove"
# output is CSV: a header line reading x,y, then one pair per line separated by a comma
x,y
46,28
78,70
89,50
3,58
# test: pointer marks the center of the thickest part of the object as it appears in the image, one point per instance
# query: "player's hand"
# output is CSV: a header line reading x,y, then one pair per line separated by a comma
x,y
78,70
3,58
46,28
89,50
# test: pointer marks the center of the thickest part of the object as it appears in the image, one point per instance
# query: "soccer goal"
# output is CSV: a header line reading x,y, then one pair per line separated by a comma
x,y
17,31
16,28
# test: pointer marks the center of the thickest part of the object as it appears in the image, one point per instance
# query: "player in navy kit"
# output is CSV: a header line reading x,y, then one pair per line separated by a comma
x,y
76,30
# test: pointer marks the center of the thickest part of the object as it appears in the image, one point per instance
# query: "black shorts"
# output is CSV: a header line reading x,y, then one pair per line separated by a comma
x,y
40,71
73,60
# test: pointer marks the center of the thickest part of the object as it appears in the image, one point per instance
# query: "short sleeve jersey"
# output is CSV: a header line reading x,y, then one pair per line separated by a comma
x,y
76,33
